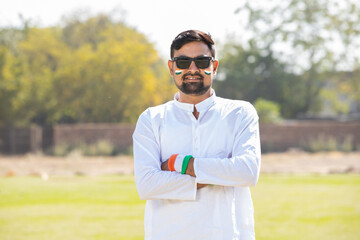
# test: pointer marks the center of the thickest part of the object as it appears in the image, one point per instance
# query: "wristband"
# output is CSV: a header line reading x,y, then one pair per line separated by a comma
x,y
178,162
171,162
185,163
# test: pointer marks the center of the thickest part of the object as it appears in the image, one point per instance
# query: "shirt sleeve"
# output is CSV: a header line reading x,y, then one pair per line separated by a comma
x,y
243,167
151,181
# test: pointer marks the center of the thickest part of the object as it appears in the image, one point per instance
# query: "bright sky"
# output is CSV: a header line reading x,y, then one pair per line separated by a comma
x,y
160,20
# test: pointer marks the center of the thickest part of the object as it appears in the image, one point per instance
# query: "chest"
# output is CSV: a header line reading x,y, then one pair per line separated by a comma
x,y
208,136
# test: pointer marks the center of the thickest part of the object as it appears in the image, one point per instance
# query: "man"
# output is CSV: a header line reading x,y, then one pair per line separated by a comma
x,y
195,157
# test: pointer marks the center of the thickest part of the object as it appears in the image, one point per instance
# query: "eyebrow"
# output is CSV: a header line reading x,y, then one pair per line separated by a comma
x,y
184,56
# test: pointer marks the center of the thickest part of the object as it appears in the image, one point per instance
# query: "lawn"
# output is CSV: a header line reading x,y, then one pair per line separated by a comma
x,y
107,207
307,207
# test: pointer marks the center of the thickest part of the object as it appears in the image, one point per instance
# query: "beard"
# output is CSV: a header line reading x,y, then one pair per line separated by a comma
x,y
193,88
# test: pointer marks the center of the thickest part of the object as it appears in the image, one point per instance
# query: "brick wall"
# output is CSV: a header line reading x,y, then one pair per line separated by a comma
x,y
280,137
274,137
20,140
120,135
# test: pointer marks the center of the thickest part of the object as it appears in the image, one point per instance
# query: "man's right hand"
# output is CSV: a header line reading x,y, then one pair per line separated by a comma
x,y
165,166
200,185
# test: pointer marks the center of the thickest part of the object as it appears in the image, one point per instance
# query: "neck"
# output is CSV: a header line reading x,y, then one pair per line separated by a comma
x,y
193,99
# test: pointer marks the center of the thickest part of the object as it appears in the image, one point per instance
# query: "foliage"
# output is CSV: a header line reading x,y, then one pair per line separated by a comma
x,y
304,33
268,111
108,207
90,70
329,143
312,39
100,148
347,89
249,75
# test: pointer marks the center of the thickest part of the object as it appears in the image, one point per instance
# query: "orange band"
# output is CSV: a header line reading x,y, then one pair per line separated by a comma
x,y
171,162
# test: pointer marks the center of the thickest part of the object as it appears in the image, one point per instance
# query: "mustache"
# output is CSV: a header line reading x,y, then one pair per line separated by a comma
x,y
190,74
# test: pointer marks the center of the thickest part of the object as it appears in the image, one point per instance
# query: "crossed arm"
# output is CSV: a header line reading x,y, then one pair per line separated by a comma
x,y
155,181
189,170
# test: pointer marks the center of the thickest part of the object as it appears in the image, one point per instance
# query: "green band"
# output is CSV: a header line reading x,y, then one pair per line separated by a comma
x,y
185,163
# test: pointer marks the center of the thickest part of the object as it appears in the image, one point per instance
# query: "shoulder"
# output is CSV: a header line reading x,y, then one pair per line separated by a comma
x,y
156,112
238,107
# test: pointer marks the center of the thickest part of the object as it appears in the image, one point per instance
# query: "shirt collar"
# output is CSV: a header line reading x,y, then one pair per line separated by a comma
x,y
200,107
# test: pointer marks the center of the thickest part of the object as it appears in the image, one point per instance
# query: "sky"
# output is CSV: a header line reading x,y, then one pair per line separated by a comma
x,y
159,20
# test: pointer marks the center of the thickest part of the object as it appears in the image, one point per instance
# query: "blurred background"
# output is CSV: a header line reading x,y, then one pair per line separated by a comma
x,y
78,62
75,76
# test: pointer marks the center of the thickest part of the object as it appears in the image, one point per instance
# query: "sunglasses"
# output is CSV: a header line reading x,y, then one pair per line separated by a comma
x,y
200,62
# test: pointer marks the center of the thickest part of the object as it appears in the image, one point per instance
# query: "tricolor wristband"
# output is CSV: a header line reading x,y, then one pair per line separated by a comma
x,y
171,162
185,163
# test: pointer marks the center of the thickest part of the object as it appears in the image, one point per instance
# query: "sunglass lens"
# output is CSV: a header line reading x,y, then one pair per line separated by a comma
x,y
202,63
183,63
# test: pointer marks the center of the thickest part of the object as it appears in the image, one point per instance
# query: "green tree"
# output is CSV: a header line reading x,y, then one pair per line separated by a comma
x,y
41,54
113,71
249,75
90,69
11,69
342,94
313,39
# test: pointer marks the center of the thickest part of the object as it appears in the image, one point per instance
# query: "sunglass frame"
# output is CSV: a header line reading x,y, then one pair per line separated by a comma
x,y
195,59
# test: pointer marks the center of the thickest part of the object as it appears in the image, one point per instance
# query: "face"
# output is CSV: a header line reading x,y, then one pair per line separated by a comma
x,y
193,80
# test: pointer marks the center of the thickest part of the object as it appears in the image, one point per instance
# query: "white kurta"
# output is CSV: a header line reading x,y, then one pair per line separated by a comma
x,y
225,144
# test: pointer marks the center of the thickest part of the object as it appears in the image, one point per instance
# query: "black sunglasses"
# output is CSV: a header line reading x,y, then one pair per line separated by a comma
x,y
200,62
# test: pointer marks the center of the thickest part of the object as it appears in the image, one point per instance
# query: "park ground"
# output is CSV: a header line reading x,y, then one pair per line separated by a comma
x,y
299,196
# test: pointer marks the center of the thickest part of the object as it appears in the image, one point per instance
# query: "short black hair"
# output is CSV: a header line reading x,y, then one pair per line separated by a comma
x,y
192,36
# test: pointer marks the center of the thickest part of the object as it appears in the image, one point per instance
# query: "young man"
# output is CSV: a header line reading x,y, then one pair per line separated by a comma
x,y
196,156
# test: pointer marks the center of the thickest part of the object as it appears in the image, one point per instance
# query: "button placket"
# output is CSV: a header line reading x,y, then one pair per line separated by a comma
x,y
197,139
194,138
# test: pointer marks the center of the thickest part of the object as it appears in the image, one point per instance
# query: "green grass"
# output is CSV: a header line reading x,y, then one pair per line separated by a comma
x,y
70,208
286,207
307,207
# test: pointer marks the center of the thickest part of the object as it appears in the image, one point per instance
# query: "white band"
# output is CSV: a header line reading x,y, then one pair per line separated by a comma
x,y
178,162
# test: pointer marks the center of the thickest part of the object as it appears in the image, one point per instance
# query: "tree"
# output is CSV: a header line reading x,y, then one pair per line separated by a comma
x,y
312,38
90,69
248,75
119,73
342,95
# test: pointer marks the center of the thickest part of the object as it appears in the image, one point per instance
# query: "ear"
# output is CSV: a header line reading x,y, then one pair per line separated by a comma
x,y
171,67
215,66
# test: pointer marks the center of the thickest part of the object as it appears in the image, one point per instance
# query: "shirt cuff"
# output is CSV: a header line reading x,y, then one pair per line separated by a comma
x,y
178,162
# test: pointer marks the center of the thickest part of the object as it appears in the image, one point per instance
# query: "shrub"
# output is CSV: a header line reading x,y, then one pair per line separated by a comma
x,y
348,144
268,111
100,148
328,143
61,150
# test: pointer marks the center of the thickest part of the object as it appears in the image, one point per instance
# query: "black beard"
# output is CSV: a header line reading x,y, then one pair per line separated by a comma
x,y
193,88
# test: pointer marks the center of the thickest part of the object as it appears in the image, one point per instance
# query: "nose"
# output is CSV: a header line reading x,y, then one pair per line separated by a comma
x,y
193,66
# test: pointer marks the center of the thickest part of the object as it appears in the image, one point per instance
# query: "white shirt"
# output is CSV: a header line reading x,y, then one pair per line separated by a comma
x,y
225,144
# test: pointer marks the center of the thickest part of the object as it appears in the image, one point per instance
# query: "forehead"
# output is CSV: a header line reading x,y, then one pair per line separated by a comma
x,y
193,49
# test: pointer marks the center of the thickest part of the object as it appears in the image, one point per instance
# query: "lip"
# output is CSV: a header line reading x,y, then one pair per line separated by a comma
x,y
192,79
